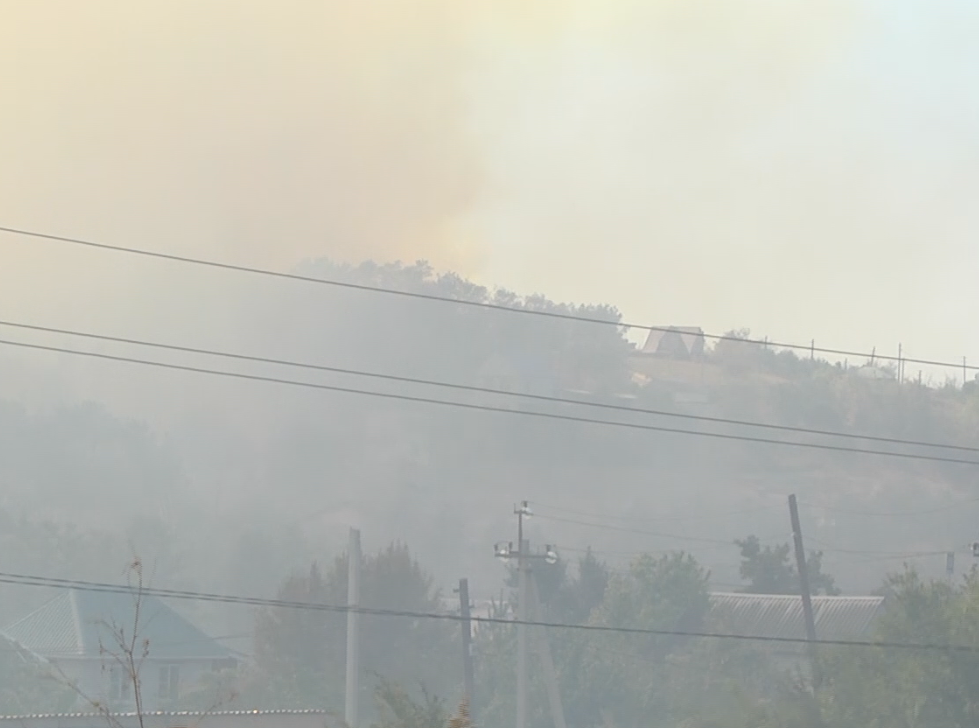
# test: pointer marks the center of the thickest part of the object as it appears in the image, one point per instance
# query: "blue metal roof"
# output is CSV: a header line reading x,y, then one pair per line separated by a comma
x,y
78,623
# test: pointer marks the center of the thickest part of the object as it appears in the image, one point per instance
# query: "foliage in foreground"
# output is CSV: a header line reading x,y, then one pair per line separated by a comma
x,y
661,676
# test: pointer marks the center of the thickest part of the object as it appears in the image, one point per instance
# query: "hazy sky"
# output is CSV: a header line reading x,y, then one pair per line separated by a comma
x,y
804,168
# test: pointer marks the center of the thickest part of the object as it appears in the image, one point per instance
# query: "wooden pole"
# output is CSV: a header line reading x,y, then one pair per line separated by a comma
x,y
804,589
352,697
468,673
544,651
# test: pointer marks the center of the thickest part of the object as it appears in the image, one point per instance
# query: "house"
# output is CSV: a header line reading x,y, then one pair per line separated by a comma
x,y
216,719
675,342
779,618
77,632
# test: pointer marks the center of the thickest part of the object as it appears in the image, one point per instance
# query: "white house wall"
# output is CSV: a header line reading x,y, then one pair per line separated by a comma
x,y
93,679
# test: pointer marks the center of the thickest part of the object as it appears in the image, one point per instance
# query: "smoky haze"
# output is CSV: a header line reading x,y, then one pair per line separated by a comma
x,y
781,166
508,143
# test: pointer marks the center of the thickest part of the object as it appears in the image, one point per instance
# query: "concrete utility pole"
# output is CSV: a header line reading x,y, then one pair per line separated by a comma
x,y
468,673
805,592
522,510
505,552
352,703
544,650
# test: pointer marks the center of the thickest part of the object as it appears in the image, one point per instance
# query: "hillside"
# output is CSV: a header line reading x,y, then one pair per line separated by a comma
x,y
278,471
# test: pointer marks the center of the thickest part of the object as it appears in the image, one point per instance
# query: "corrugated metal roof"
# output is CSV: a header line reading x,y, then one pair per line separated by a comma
x,y
49,631
76,623
781,616
178,714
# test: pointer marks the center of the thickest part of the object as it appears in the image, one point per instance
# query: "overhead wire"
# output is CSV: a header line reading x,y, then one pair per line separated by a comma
x,y
482,390
640,531
825,547
221,265
671,518
872,552
550,314
861,561
486,408
893,514
139,592
558,315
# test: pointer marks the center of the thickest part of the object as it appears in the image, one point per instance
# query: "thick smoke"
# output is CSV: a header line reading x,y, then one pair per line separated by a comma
x,y
577,149
272,132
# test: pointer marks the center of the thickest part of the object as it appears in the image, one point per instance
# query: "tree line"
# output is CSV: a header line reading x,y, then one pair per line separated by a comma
x,y
606,679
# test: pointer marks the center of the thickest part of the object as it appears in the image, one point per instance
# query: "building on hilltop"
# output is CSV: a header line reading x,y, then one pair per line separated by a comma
x,y
675,342
75,632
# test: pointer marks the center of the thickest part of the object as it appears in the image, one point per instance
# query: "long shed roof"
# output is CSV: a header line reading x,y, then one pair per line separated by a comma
x,y
781,616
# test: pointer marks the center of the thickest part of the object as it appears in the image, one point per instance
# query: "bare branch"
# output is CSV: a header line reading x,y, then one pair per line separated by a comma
x,y
127,655
97,705
127,651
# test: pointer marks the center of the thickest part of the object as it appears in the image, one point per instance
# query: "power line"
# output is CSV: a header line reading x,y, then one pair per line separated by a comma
x,y
483,390
827,549
872,552
895,514
605,552
640,531
136,592
485,408
671,518
910,556
812,348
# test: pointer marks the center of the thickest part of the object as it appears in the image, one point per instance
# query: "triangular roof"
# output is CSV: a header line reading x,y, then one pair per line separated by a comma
x,y
691,336
77,623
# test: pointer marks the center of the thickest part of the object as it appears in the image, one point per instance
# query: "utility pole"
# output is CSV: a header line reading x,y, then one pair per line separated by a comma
x,y
800,558
544,650
506,552
521,511
352,703
467,644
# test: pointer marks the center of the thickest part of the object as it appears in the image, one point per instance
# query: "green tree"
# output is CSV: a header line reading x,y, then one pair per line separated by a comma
x,y
769,569
667,592
396,708
911,688
566,597
588,589
606,676
300,653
